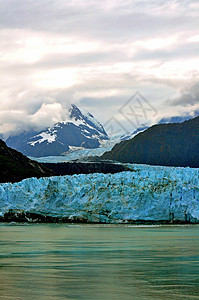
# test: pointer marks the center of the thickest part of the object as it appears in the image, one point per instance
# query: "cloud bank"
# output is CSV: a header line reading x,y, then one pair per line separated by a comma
x,y
53,53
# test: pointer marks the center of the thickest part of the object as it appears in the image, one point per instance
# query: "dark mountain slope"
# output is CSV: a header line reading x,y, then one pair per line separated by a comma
x,y
71,168
174,144
14,166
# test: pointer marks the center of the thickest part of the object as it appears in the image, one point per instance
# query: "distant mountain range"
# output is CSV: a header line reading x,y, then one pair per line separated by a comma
x,y
79,130
15,166
173,144
129,136
166,120
179,119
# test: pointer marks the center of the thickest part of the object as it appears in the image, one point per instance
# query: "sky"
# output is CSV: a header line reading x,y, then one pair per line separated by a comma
x,y
97,54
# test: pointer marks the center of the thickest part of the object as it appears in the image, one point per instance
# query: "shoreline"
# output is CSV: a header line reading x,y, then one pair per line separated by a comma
x,y
36,218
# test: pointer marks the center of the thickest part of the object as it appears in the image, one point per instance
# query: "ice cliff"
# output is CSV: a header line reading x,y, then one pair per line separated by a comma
x,y
148,193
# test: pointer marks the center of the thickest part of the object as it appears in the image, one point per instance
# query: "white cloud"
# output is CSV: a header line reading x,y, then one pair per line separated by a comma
x,y
48,115
56,78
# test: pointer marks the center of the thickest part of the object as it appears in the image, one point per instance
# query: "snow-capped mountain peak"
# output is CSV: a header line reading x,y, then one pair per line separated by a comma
x,y
80,129
84,117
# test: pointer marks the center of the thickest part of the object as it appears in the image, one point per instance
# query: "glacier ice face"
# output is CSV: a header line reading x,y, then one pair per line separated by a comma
x,y
148,193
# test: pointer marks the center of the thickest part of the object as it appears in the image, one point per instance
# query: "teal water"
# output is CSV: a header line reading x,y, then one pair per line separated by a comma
x,y
60,261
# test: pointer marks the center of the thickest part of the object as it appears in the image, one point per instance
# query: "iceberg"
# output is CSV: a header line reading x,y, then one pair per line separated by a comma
x,y
145,194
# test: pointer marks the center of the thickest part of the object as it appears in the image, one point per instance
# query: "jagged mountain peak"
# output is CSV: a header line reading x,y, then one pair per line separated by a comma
x,y
81,116
75,112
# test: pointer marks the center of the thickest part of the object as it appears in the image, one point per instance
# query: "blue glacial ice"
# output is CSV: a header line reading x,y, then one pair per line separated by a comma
x,y
148,193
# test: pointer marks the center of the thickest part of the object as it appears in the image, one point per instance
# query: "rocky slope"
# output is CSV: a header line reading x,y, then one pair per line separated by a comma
x,y
15,166
174,144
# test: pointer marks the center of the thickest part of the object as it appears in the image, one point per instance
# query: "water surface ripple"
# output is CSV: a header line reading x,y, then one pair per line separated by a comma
x,y
60,261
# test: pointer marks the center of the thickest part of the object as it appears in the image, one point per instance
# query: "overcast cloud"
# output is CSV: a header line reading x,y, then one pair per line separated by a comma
x,y
97,54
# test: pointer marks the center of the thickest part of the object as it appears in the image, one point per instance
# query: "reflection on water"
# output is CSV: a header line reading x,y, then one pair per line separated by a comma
x,y
59,261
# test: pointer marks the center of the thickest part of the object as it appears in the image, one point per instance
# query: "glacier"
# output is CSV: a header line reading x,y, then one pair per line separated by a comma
x,y
80,153
147,193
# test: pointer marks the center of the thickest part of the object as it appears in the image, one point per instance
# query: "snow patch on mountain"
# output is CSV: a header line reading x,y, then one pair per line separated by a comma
x,y
44,136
